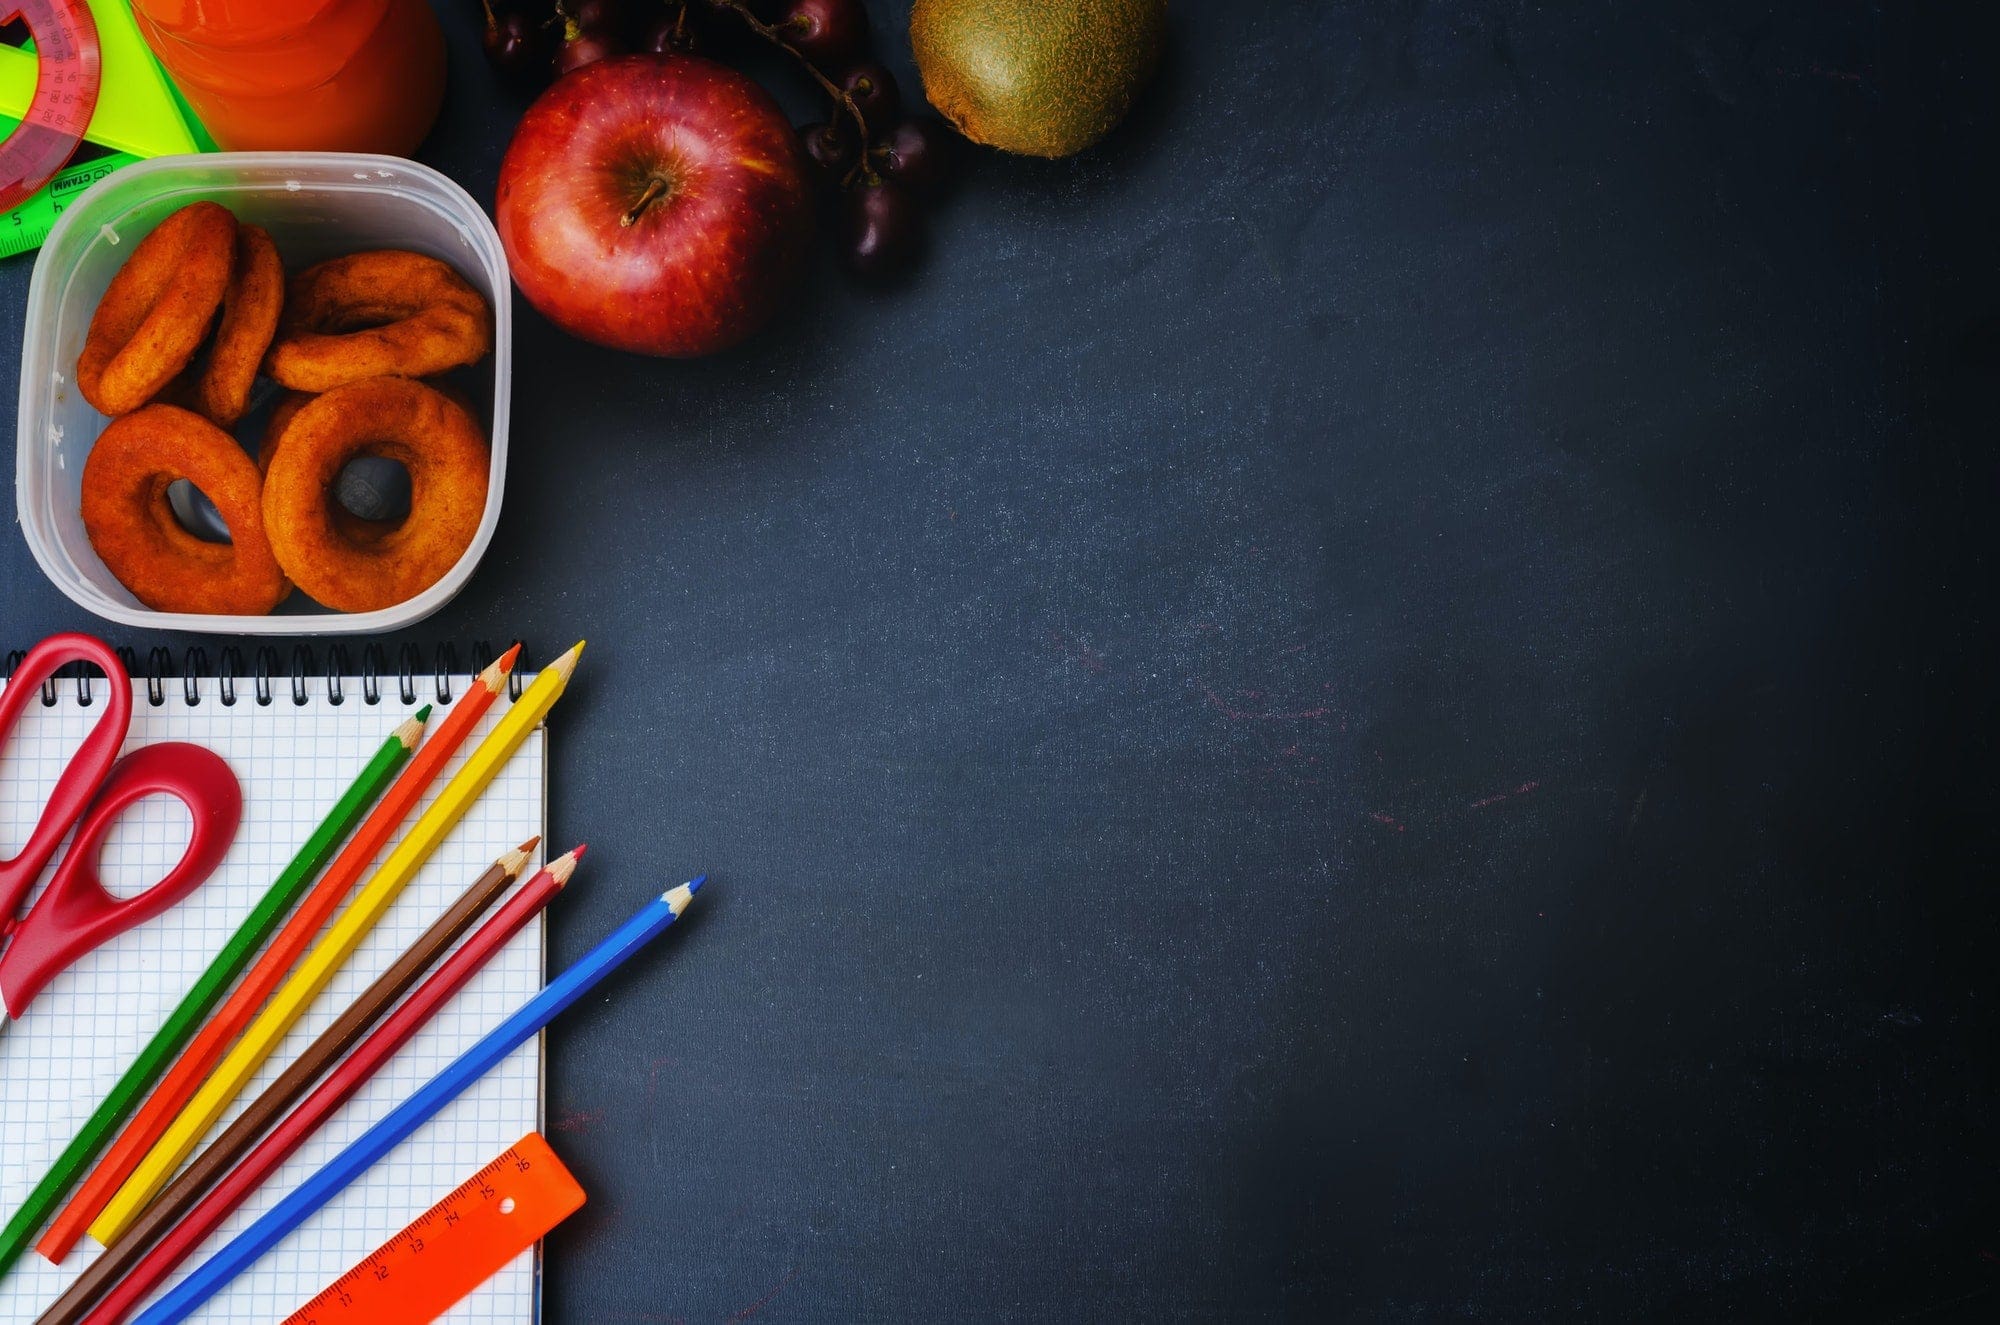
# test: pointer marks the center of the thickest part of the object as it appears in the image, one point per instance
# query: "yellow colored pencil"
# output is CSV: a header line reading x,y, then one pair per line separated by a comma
x,y
346,932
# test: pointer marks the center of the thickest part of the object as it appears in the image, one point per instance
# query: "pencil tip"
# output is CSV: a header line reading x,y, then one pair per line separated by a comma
x,y
423,714
410,730
528,847
566,665
678,897
565,865
494,678
576,852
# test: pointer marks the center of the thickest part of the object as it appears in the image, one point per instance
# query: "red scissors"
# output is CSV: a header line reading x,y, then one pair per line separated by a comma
x,y
75,913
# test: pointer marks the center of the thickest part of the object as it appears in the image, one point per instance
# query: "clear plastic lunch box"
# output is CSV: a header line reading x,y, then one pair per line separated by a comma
x,y
316,205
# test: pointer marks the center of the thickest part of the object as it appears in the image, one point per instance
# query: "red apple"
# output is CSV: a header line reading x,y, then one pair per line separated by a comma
x,y
655,203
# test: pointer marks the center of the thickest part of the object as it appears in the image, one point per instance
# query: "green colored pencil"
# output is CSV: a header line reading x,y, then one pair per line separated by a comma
x,y
221,973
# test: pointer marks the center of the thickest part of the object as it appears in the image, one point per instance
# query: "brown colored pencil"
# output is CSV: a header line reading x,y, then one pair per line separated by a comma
x,y
354,1071
334,1042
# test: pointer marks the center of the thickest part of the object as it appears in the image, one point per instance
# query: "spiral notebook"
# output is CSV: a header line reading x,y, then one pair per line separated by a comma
x,y
295,739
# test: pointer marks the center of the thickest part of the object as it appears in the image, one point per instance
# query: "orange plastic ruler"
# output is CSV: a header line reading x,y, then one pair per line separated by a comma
x,y
456,1245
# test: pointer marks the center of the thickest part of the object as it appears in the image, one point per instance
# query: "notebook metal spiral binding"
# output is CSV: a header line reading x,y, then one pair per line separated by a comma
x,y
194,672
336,668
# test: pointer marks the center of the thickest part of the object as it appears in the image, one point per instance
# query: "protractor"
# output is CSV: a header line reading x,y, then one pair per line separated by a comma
x,y
68,72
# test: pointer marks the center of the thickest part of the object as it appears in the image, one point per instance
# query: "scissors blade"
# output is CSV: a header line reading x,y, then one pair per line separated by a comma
x,y
87,768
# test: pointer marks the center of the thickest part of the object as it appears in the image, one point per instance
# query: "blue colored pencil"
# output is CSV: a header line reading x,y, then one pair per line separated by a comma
x,y
214,1273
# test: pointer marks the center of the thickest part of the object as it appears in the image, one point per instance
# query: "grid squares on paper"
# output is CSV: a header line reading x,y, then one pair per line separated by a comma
x,y
83,1031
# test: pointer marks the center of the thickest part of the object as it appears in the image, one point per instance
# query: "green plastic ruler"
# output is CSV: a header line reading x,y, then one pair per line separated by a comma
x,y
28,225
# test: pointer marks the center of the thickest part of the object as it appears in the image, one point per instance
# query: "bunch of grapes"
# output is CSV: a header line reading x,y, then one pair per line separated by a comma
x,y
881,165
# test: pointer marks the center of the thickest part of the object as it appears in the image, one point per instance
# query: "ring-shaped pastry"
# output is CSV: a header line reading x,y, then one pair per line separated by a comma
x,y
219,380
157,309
377,314
354,528
424,430
130,523
289,403
283,411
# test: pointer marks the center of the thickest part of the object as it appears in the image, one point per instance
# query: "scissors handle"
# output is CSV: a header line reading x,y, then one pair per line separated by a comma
x,y
86,769
75,913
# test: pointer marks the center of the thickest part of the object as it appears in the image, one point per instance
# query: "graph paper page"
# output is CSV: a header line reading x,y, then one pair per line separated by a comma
x,y
82,1032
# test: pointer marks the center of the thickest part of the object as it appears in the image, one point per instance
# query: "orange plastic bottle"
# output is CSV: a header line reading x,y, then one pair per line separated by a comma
x,y
303,75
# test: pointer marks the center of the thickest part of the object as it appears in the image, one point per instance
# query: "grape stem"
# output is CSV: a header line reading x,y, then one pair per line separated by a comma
x,y
832,89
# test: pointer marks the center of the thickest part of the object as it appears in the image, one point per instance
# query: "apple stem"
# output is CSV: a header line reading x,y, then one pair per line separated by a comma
x,y
654,188
831,88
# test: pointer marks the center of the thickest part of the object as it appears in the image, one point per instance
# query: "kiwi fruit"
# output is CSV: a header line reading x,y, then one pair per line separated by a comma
x,y
1040,77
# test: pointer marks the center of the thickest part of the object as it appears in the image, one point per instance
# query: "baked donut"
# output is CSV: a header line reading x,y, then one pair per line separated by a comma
x,y
289,403
132,526
157,309
218,381
432,436
377,314
283,411
354,528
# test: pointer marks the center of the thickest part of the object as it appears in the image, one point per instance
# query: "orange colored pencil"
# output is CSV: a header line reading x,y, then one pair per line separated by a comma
x,y
206,1049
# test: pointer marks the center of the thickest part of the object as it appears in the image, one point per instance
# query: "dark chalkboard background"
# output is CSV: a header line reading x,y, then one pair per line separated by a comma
x,y
1373,700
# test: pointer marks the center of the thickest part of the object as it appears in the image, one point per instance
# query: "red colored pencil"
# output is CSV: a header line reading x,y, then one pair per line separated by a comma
x,y
203,1052
207,1214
